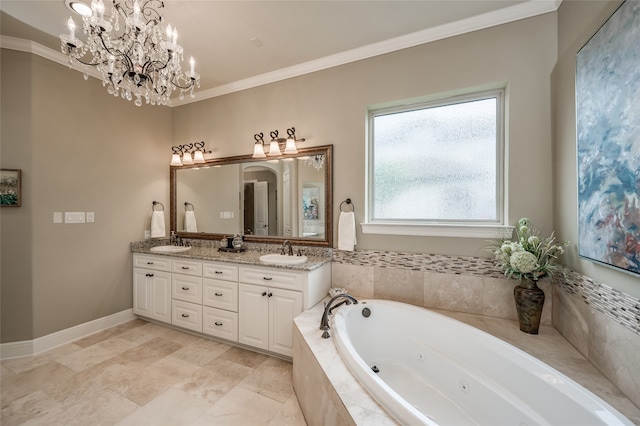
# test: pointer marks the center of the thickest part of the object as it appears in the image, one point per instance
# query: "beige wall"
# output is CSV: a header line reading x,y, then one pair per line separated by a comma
x,y
329,107
80,150
577,22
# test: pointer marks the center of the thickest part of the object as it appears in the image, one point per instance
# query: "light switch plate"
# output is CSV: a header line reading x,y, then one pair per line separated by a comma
x,y
90,217
57,217
74,217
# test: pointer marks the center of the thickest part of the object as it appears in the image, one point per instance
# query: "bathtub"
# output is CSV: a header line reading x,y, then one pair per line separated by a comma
x,y
434,370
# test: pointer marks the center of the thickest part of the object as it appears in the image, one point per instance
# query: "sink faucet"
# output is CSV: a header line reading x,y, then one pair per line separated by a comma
x,y
286,244
324,322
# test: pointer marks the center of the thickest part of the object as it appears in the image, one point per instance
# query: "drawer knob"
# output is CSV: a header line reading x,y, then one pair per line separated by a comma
x,y
267,278
270,294
185,315
218,294
185,288
218,323
264,293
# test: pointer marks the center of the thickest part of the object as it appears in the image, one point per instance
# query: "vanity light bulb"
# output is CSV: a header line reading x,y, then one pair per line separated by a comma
x,y
175,160
198,157
290,148
258,151
274,149
186,158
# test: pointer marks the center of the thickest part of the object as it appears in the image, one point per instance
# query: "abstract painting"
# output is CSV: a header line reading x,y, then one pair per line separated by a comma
x,y
608,136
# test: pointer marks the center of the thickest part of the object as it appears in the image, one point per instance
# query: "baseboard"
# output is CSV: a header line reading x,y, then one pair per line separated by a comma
x,y
53,340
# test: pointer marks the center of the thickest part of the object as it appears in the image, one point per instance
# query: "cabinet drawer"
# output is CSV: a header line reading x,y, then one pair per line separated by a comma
x,y
220,271
187,267
158,263
272,277
220,294
187,315
186,288
223,324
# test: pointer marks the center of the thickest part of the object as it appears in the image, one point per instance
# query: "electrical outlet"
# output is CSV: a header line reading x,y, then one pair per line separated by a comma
x,y
57,217
90,217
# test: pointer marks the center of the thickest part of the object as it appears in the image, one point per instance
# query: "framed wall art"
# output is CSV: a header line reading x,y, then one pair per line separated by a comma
x,y
608,141
10,188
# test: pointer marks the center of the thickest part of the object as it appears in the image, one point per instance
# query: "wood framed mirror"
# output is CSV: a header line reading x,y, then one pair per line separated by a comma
x,y
288,198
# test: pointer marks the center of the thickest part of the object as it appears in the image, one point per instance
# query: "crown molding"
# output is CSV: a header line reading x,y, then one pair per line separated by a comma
x,y
502,16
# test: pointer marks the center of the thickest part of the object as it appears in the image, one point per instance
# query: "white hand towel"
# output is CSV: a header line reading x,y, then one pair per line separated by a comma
x,y
347,231
157,224
190,221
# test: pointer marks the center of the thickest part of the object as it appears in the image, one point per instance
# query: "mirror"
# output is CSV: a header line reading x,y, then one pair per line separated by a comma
x,y
266,200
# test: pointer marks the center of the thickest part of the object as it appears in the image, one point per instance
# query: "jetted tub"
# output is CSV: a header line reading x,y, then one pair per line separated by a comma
x,y
427,369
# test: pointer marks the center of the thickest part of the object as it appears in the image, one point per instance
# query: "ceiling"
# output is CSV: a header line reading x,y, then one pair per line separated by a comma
x,y
240,44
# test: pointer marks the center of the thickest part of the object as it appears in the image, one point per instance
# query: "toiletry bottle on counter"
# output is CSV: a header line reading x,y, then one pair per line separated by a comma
x,y
223,242
237,242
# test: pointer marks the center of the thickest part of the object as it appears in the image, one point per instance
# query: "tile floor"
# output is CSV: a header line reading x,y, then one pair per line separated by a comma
x,y
141,373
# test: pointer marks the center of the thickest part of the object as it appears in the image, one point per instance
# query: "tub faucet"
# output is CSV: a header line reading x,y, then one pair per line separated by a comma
x,y
324,322
286,244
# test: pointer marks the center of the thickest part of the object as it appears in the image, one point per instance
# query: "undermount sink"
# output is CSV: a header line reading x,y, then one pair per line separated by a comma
x,y
170,249
281,259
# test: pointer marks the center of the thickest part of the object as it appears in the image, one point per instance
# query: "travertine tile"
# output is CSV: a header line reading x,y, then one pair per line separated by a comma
x,y
174,407
462,293
201,352
614,349
108,333
243,356
96,354
571,318
356,279
497,298
273,378
241,407
107,408
289,415
20,365
401,285
25,383
33,408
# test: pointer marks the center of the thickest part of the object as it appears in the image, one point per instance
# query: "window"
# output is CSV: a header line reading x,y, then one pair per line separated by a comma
x,y
437,165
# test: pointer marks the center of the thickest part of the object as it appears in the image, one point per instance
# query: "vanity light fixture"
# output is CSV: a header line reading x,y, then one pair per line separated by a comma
x,y
276,145
188,154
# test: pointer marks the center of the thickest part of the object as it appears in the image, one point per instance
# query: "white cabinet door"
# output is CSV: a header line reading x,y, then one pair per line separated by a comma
x,y
152,294
284,306
253,312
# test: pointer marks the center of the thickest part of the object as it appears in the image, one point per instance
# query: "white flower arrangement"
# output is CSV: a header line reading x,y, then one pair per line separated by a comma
x,y
530,257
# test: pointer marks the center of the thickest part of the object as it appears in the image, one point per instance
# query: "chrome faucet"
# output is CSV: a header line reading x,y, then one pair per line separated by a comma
x,y
324,322
286,244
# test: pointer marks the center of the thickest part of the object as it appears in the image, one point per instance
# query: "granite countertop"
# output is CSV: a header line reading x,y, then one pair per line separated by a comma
x,y
249,257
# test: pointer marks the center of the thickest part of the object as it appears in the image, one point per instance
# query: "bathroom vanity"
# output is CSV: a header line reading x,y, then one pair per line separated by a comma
x,y
234,297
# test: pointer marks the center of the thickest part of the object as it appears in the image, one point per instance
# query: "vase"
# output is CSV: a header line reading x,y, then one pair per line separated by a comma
x,y
529,301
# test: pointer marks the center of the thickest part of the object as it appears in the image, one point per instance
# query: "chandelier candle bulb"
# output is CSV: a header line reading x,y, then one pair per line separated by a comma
x,y
72,29
192,62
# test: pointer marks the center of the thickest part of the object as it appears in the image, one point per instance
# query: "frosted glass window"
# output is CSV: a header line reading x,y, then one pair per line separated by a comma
x,y
437,163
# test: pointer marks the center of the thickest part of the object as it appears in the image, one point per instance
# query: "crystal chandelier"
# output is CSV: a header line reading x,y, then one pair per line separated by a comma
x,y
135,55
315,161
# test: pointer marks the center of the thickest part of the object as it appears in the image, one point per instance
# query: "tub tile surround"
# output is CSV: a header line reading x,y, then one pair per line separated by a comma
x,y
602,323
329,394
460,284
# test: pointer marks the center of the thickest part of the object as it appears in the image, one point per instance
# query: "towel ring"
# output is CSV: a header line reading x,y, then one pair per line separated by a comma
x,y
348,203
186,206
154,205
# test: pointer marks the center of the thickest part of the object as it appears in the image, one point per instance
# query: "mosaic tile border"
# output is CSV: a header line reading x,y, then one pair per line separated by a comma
x,y
613,303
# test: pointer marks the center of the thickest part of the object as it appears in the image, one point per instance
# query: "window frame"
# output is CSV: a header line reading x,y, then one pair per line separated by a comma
x,y
458,228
